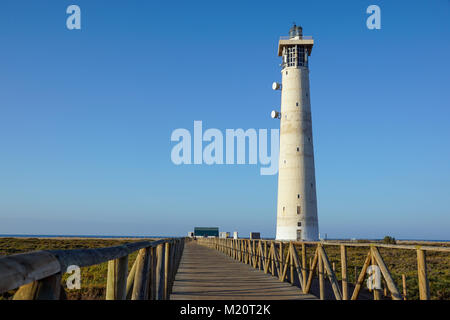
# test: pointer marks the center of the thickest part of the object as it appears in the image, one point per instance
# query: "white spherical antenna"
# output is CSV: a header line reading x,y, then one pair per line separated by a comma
x,y
276,86
274,114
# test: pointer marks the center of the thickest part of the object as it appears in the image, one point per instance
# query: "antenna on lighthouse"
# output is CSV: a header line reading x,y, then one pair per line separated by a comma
x,y
276,86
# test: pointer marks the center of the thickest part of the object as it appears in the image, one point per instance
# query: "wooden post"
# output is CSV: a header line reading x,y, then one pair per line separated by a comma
x,y
153,275
376,293
387,276
404,286
424,288
330,272
166,270
294,256
321,284
304,272
116,285
311,273
310,265
141,278
272,260
283,271
344,272
160,272
130,280
385,293
45,289
291,262
281,260
361,277
266,264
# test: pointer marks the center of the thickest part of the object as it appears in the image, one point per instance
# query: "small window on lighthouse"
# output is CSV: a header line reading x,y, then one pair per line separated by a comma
x,y
298,210
283,209
299,224
296,104
298,196
298,149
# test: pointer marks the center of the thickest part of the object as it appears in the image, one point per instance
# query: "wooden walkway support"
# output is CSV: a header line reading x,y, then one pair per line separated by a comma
x,y
206,274
281,259
214,268
38,274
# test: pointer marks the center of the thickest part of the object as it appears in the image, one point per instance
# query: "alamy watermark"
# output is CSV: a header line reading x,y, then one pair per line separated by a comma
x,y
74,280
374,279
229,150
374,20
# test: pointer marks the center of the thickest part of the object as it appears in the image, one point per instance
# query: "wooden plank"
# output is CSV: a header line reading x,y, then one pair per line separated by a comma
x,y
298,267
380,245
89,257
291,264
116,284
344,272
281,258
331,275
361,277
321,282
424,287
130,280
48,288
311,272
376,293
283,274
160,272
141,278
404,286
272,258
152,277
206,274
19,269
386,274
304,271
166,270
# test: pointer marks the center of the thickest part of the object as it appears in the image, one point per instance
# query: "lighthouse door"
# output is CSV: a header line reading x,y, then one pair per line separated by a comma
x,y
299,234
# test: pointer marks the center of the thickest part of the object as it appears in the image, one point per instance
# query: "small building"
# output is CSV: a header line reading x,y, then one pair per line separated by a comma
x,y
224,235
255,235
206,232
235,235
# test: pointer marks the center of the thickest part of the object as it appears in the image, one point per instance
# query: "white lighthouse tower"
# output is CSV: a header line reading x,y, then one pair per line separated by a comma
x,y
297,202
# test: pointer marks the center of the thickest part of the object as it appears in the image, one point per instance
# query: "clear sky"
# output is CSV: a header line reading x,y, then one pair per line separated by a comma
x,y
86,115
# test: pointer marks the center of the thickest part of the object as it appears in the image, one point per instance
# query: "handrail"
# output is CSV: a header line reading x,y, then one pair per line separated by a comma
x,y
24,269
270,256
381,245
89,257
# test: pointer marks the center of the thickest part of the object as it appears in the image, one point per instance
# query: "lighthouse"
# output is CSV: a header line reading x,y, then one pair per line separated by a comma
x,y
297,201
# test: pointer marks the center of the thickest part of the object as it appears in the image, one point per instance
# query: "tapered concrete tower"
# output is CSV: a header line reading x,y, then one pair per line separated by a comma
x,y
297,202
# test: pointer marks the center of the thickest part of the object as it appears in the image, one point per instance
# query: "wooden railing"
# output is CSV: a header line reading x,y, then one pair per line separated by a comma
x,y
282,259
38,274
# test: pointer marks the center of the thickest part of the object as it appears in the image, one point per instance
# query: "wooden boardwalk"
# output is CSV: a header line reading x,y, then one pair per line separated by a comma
x,y
206,274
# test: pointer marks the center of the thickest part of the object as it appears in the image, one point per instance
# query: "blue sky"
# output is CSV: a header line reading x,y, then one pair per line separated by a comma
x,y
86,116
